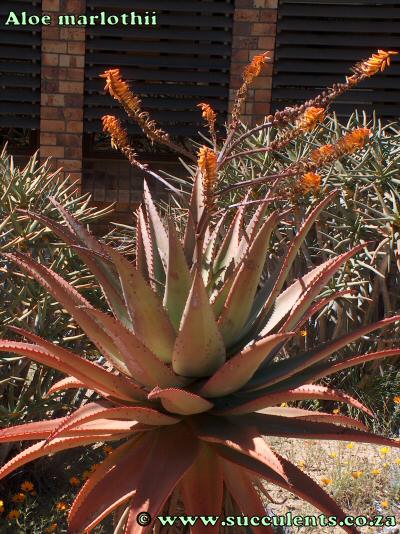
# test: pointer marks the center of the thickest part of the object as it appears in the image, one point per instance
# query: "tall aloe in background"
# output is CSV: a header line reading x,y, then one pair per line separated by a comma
x,y
199,344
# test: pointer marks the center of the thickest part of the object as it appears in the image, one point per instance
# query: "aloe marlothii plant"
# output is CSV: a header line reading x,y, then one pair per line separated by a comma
x,y
198,346
197,373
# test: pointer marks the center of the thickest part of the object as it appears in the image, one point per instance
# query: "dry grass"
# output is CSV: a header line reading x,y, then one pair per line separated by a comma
x,y
364,479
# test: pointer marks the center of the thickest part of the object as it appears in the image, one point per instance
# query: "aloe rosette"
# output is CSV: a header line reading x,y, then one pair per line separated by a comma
x,y
196,372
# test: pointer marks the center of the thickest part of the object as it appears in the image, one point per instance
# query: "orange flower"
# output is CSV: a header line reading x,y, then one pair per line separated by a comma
x,y
18,497
303,333
385,504
27,486
74,481
253,70
357,474
208,114
311,182
62,506
336,411
1,507
326,481
112,126
321,154
52,528
353,140
377,62
13,514
310,118
396,399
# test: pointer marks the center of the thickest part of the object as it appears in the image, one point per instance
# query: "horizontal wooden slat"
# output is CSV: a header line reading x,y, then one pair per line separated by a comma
x,y
184,60
318,41
20,57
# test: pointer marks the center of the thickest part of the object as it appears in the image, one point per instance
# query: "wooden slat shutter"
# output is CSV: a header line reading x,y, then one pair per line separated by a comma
x,y
317,42
20,68
172,67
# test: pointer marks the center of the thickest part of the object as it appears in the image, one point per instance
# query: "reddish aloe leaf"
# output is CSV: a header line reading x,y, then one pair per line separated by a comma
x,y
94,376
73,302
238,370
236,434
297,364
66,383
228,249
156,225
290,427
30,431
210,250
202,489
251,231
150,321
218,299
199,349
309,415
240,299
292,253
104,410
147,266
143,365
102,271
259,401
298,483
111,484
179,279
180,401
171,455
240,484
316,285
42,449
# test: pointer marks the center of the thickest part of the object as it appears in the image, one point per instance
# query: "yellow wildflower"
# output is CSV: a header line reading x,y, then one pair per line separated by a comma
x,y
397,461
375,472
74,481
350,445
357,474
303,333
385,465
301,464
333,455
13,514
62,506
253,70
283,404
311,182
52,528
18,497
27,486
326,481
385,504
384,450
336,411
310,118
1,507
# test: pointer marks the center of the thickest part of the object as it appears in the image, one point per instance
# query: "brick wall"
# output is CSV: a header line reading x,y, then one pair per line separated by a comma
x,y
63,62
254,32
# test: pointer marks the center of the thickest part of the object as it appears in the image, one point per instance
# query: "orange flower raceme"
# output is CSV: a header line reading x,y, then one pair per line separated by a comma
x,y
310,118
311,182
353,140
319,155
207,161
253,70
119,89
118,134
377,62
208,114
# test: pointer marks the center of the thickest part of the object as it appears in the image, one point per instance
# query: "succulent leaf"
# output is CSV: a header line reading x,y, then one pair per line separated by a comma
x,y
179,279
180,401
199,348
239,369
